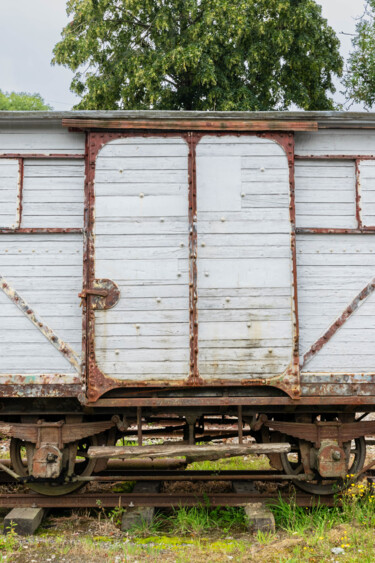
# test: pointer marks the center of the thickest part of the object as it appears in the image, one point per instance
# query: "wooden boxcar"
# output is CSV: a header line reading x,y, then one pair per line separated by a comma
x,y
188,265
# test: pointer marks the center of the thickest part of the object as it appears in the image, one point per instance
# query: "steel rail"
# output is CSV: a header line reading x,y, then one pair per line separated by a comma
x,y
159,500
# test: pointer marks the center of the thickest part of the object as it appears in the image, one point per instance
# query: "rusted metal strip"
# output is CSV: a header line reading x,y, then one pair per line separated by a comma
x,y
324,231
20,193
193,244
358,208
192,124
351,308
42,156
39,231
109,500
334,157
65,349
13,390
255,401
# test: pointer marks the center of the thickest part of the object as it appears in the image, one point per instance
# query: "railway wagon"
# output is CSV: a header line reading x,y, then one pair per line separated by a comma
x,y
180,268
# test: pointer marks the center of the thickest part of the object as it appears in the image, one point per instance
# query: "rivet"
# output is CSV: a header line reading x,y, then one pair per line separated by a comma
x,y
243,194
182,244
262,169
178,274
222,219
203,244
137,326
6,250
141,195
121,171
206,274
158,299
162,220
21,250
270,351
227,299
248,325
117,352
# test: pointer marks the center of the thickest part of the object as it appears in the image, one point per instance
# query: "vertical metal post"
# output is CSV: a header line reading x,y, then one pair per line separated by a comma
x,y
191,434
139,425
240,425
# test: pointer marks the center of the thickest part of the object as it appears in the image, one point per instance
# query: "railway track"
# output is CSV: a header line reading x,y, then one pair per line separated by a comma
x,y
108,499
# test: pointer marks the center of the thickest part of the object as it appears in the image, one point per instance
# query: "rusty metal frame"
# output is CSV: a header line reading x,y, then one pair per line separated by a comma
x,y
21,157
361,229
97,382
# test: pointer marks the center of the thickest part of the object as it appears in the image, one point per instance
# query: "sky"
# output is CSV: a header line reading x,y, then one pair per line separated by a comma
x,y
29,29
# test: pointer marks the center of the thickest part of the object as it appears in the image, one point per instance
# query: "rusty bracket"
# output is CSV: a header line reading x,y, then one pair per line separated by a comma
x,y
319,431
105,294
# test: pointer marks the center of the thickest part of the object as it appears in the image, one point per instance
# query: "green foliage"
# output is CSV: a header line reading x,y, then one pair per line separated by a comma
x,y
199,54
360,76
21,101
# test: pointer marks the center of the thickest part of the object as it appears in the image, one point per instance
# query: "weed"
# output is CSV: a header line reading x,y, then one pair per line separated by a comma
x,y
265,538
9,541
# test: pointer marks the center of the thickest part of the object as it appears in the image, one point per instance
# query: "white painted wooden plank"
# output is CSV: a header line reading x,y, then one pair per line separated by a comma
x,y
265,200
134,270
266,226
167,162
349,142
155,226
140,329
304,196
117,316
141,176
9,172
234,273
144,206
321,221
40,139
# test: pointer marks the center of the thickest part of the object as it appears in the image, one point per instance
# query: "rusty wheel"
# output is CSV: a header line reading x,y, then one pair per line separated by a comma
x,y
292,465
21,454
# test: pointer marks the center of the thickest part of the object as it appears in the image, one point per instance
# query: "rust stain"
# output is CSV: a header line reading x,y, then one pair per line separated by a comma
x,y
23,306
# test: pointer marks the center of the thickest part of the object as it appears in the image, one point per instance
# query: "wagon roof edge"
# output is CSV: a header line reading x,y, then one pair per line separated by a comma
x,y
327,119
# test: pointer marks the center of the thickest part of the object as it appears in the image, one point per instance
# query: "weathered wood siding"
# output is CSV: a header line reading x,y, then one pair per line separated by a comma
x,y
367,192
9,182
244,258
325,194
44,269
334,268
141,237
39,139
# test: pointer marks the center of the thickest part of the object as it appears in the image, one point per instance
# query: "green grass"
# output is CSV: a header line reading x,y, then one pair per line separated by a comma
x,y
232,464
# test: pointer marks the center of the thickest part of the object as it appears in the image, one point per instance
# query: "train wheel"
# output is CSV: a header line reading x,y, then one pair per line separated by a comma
x,y
292,465
21,454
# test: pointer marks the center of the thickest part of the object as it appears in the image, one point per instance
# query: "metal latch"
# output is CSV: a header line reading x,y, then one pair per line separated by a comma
x,y
105,294
92,291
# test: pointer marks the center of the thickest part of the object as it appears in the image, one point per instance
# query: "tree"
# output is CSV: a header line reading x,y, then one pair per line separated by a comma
x,y
21,101
359,78
199,54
